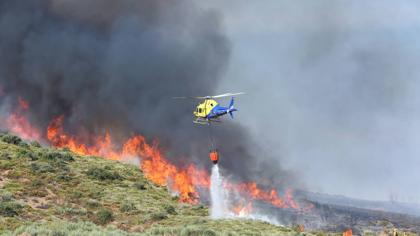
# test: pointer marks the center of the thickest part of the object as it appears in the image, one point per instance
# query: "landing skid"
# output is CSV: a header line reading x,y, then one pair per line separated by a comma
x,y
203,121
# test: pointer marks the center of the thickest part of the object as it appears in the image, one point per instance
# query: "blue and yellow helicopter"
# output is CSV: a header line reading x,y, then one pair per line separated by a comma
x,y
209,110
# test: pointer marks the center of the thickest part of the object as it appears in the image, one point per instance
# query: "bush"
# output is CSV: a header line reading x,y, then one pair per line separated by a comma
x,y
9,209
76,195
127,207
6,197
35,144
57,156
71,211
41,168
103,174
23,144
5,156
92,203
209,232
159,216
11,139
36,183
104,216
64,176
170,209
140,186
24,153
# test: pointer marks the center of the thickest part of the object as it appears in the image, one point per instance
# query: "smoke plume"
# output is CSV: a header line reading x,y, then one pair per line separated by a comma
x,y
343,97
114,66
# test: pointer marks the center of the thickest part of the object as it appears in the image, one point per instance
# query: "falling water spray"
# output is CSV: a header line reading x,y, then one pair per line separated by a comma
x,y
216,193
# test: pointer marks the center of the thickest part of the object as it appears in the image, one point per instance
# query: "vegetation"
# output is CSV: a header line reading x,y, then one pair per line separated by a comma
x,y
47,191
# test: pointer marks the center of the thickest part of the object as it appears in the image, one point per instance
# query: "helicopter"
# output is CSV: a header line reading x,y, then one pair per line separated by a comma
x,y
209,110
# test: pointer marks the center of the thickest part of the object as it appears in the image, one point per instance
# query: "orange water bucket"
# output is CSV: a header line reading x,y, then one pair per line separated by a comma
x,y
348,232
214,156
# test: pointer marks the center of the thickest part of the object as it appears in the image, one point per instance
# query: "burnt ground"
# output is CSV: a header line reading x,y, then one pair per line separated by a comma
x,y
338,218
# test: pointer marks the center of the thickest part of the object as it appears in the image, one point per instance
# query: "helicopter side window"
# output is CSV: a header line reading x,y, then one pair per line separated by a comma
x,y
200,110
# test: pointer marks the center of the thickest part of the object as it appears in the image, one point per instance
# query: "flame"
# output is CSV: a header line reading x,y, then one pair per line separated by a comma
x,y
155,166
19,124
255,193
185,181
102,145
243,209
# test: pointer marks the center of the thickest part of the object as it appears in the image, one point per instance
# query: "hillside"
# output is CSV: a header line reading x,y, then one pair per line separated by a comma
x,y
49,191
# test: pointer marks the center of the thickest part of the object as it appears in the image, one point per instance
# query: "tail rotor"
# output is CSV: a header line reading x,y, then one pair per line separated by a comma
x,y
231,108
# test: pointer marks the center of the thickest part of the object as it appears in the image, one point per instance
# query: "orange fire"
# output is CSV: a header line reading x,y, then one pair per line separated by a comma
x,y
243,209
102,145
155,166
19,124
255,193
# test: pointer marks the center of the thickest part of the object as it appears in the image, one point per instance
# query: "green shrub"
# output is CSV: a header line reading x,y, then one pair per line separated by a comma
x,y
24,153
6,197
41,168
170,209
64,176
76,195
71,211
140,186
23,144
159,216
57,156
58,233
12,139
9,209
103,174
175,198
209,232
127,207
5,156
92,203
104,216
36,183
35,144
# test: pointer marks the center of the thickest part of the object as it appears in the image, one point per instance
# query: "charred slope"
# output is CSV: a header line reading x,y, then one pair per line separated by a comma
x,y
338,218
360,220
388,206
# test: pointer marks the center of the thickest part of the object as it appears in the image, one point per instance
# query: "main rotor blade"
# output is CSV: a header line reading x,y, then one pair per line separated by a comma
x,y
208,97
226,95
188,97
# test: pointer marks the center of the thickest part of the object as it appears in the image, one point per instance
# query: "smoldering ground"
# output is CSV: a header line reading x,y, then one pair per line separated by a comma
x,y
114,65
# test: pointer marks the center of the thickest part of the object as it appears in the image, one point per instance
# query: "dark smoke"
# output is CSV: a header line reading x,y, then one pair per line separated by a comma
x,y
114,65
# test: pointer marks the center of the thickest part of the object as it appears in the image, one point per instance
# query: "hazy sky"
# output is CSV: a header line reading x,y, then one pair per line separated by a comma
x,y
332,88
